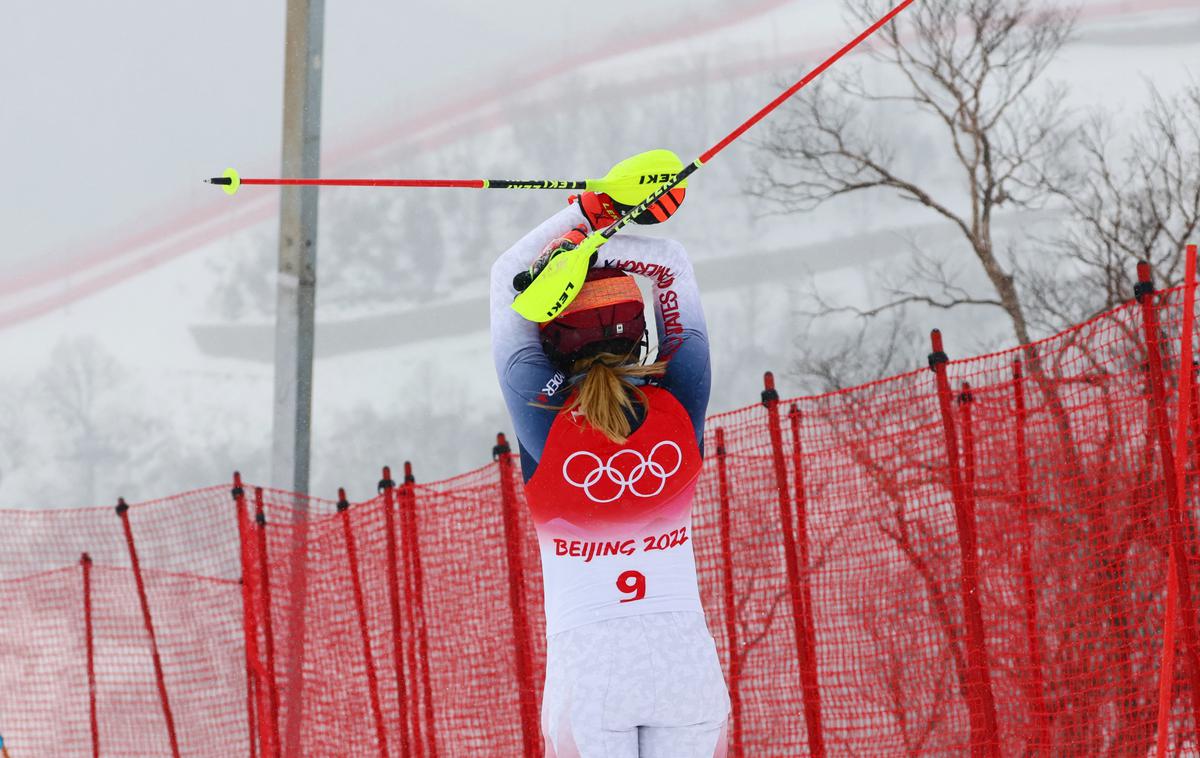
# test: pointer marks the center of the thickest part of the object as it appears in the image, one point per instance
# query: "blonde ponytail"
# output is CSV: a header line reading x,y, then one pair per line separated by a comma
x,y
605,396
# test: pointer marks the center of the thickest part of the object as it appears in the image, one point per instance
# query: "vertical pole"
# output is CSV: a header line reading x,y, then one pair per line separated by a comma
x,y
296,287
731,630
249,616
1193,538
1037,688
809,674
85,563
297,278
812,714
123,514
980,705
412,554
970,547
387,487
1194,415
360,606
411,597
265,613
526,689
1144,292
1166,670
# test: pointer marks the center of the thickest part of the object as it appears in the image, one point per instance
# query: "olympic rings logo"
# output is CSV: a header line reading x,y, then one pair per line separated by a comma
x,y
643,467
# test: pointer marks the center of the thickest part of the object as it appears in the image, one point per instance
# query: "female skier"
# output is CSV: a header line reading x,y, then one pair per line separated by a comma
x,y
610,451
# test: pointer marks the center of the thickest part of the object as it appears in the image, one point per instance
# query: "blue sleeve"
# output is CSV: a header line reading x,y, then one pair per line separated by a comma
x,y
527,378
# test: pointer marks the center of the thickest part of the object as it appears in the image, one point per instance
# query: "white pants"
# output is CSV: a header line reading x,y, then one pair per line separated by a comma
x,y
639,687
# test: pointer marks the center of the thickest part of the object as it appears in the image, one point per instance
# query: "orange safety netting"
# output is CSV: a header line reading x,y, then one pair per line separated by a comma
x,y
968,560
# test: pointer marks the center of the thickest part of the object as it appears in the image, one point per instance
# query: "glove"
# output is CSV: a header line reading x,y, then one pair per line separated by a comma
x,y
597,207
568,241
600,210
660,210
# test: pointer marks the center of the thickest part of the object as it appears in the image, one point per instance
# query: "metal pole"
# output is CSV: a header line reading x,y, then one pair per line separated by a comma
x,y
297,284
295,305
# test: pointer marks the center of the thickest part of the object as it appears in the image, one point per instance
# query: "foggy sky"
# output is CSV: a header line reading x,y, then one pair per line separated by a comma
x,y
113,112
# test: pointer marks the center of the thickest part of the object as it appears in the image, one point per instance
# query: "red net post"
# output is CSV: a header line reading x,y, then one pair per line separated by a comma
x,y
523,645
1144,292
418,653
1166,674
387,487
808,673
1194,418
729,596
1040,717
85,564
980,703
796,581
249,612
164,701
360,608
264,612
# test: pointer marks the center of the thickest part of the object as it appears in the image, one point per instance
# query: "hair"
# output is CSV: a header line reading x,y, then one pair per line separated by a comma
x,y
605,395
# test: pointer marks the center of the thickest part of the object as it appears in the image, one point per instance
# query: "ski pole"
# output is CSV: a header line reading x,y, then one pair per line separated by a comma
x,y
759,116
231,181
545,296
626,182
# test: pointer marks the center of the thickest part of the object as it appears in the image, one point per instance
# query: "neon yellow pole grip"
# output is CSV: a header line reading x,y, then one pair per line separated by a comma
x,y
559,283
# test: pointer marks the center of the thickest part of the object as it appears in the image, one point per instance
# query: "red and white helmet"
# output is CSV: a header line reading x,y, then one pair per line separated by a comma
x,y
608,316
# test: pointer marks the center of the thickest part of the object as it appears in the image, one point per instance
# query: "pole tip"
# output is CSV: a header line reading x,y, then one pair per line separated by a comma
x,y
408,474
229,181
937,354
965,397
342,503
501,447
935,339
769,394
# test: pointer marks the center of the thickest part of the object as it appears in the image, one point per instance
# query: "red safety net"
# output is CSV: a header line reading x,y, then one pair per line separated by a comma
x,y
964,560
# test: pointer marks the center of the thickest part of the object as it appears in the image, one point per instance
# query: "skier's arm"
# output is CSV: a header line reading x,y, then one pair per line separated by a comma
x,y
682,333
526,374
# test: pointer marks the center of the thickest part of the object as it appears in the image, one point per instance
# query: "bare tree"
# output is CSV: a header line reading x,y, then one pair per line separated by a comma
x,y
1130,200
76,387
1002,139
972,67
13,441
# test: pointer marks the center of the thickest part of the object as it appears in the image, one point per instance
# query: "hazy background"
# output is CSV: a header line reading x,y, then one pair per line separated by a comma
x,y
136,302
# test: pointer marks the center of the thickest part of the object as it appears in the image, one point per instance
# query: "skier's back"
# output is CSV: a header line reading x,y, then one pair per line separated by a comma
x,y
610,450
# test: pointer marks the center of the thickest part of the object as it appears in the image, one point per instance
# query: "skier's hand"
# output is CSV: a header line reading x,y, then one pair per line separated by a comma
x,y
660,210
560,280
555,247
597,207
600,210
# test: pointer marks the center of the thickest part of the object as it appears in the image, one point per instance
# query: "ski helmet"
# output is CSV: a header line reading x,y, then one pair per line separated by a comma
x,y
608,316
